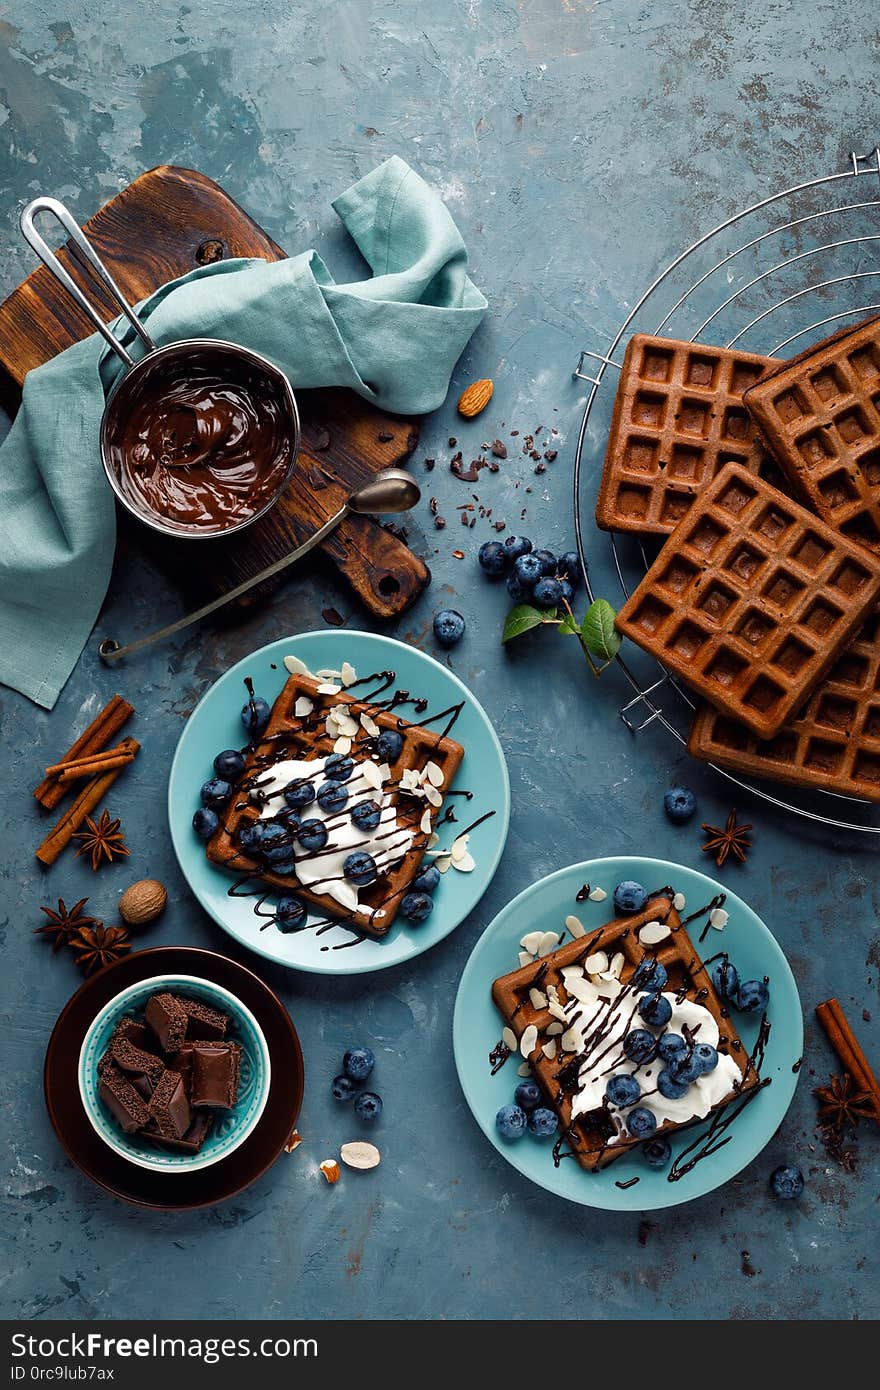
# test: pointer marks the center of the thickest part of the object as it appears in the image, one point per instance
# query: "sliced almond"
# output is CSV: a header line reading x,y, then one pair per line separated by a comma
x,y
529,1040
443,862
360,1154
425,823
679,901
537,999
556,1010
617,963
598,895
525,958
549,1049
371,775
596,963
554,1029
465,865
295,666
328,688
549,942
719,918
330,1168
434,773
369,725
432,796
575,926
531,941
459,847
348,675
508,1037
570,1041
303,707
608,988
652,933
342,745
523,1069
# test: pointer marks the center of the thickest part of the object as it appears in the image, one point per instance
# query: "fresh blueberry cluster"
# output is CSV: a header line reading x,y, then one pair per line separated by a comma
x,y
749,996
526,1113
357,1067
418,904
531,576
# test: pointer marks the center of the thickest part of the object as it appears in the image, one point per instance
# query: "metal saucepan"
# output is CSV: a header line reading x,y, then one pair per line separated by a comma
x,y
157,371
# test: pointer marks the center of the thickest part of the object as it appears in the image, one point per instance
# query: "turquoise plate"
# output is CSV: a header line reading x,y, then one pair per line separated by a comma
x,y
215,724
477,1028
231,1127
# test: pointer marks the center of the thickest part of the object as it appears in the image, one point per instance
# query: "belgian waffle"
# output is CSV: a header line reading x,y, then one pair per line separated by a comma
x,y
678,419
751,599
587,1136
832,743
820,415
289,735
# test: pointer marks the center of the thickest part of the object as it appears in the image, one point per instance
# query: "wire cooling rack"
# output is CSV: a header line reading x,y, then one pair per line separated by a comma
x,y
773,278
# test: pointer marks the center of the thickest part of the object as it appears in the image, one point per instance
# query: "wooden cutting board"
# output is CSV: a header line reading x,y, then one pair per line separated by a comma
x,y
164,224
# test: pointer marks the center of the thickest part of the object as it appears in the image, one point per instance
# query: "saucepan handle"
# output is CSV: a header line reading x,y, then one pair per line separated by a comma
x,y
95,264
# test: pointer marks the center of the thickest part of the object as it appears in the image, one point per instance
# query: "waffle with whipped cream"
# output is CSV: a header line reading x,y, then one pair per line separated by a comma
x,y
312,720
571,1010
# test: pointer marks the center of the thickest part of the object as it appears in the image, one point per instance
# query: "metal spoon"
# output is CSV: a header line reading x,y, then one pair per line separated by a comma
x,y
391,490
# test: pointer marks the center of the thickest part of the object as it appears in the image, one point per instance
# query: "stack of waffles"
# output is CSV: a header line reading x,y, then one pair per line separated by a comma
x,y
764,477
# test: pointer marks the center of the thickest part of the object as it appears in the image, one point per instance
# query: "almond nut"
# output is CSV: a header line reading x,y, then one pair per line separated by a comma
x,y
293,1141
359,1154
142,902
330,1168
475,398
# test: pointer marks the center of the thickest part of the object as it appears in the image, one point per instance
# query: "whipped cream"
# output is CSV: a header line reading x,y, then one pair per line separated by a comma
x,y
589,1008
322,871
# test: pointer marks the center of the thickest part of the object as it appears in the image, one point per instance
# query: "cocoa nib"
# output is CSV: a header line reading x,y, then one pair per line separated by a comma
x,y
499,449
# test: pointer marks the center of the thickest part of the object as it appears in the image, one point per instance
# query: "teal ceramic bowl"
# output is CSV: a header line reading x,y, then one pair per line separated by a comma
x,y
231,1127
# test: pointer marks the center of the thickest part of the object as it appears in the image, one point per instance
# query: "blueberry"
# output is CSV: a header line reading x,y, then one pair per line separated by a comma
x,y
725,978
629,896
273,837
657,1152
548,561
388,745
706,1056
229,764
543,1123
686,1069
515,546
366,815
547,593
786,1183
343,1088
679,803
527,1095
510,1122
332,796
215,793
427,880
205,822
641,1123
493,558
299,793
338,767
368,1106
255,715
622,1090
655,1010
639,1044
752,996
518,592
290,914
569,567
417,907
566,590
358,1062
360,867
312,835
672,1047
289,818
284,868
650,973
448,627
251,834
669,1085
527,570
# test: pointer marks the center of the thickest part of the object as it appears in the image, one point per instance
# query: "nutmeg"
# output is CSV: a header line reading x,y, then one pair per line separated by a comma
x,y
143,902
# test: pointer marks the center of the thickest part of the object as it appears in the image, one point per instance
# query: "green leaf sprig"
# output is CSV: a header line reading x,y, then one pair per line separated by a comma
x,y
598,637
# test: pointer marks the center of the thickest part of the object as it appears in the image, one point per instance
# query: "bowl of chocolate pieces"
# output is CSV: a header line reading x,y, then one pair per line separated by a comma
x,y
174,1073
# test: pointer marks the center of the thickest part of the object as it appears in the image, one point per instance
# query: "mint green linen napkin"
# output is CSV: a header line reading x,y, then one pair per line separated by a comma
x,y
393,338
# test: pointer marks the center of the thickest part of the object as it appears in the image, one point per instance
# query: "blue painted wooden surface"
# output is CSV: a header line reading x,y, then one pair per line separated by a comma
x,y
579,146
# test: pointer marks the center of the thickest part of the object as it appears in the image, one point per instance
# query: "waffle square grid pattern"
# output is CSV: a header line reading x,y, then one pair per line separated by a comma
x,y
833,743
678,419
587,1136
820,415
304,737
751,599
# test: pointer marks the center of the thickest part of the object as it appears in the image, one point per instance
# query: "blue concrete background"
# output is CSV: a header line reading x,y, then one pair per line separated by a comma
x,y
579,146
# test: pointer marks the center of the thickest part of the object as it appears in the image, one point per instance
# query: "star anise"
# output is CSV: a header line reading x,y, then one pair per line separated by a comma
x,y
64,924
98,946
102,840
841,1105
733,839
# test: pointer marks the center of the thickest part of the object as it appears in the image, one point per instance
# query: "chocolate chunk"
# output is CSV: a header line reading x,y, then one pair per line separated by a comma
x,y
122,1100
204,1022
169,1106
191,1142
216,1068
135,1060
499,449
168,1019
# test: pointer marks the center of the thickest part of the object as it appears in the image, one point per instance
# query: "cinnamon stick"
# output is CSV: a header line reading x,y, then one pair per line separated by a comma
x,y
102,730
846,1047
120,754
89,758
91,796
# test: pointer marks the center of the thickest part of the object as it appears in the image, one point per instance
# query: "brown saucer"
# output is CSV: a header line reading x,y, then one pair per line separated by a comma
x,y
141,1186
